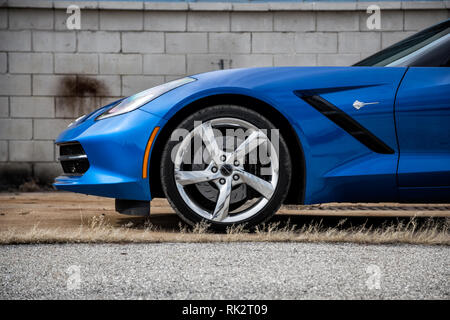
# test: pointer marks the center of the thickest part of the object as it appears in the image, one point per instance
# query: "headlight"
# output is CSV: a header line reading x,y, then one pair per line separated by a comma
x,y
139,99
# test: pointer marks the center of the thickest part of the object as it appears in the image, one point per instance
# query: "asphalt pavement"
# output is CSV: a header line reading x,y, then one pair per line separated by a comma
x,y
224,271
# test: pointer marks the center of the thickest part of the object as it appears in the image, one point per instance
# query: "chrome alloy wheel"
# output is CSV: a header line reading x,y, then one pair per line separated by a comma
x,y
226,171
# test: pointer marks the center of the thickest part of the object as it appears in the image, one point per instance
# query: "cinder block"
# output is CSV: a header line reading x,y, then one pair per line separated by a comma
x,y
389,38
253,6
186,42
3,62
49,128
143,42
420,19
342,21
121,5
334,6
74,107
210,6
171,78
32,107
273,42
294,21
15,40
54,41
108,100
36,19
89,19
47,172
135,84
107,85
14,174
166,6
121,20
197,63
251,21
79,63
63,4
3,18
16,129
27,62
15,85
31,151
3,150
306,59
164,64
165,21
28,3
50,85
341,59
98,41
251,60
4,107
208,21
390,20
388,5
420,5
229,42
316,42
120,64
359,42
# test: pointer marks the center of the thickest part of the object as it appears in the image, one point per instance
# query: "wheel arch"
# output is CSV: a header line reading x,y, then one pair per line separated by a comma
x,y
296,190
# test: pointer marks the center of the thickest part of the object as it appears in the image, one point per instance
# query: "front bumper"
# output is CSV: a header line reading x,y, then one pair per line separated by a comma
x,y
115,149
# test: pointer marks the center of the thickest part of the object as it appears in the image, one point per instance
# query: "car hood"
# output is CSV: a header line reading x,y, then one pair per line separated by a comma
x,y
273,85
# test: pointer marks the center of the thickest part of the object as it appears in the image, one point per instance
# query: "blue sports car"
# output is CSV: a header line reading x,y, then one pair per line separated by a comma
x,y
231,146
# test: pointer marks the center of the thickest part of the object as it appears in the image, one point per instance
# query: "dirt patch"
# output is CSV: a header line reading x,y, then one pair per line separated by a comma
x,y
60,217
81,86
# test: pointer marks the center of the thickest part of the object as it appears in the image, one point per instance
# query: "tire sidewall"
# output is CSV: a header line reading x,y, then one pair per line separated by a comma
x,y
210,113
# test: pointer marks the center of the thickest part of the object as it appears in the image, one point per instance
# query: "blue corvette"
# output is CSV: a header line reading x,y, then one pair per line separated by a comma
x,y
231,146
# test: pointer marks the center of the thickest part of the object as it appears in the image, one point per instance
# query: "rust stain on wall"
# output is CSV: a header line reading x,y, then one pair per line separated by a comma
x,y
78,95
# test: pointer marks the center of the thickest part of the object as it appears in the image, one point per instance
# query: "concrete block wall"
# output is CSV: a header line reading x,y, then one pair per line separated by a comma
x,y
50,75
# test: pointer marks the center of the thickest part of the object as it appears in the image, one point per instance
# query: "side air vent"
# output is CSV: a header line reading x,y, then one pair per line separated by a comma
x,y
347,123
73,159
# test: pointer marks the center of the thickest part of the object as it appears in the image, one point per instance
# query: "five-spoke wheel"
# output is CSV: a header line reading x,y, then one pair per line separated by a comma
x,y
226,169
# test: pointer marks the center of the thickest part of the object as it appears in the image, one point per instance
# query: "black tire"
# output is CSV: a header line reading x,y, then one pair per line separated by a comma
x,y
206,114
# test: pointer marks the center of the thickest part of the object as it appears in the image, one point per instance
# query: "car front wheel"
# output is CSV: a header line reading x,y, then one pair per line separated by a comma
x,y
225,165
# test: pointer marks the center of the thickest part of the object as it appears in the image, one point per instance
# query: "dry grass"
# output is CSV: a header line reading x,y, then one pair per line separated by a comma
x,y
59,217
99,230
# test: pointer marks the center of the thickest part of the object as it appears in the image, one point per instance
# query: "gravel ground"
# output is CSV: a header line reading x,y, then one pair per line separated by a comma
x,y
224,271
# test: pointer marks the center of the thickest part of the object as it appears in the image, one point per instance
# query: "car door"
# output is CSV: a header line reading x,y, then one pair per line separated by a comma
x,y
422,113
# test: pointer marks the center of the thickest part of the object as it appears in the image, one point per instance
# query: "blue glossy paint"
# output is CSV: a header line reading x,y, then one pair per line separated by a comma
x,y
423,120
115,148
338,167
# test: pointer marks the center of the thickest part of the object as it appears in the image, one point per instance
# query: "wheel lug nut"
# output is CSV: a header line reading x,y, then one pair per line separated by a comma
x,y
236,163
214,169
236,177
223,158
222,181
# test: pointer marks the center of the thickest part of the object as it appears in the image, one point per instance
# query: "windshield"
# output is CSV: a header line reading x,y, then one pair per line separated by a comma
x,y
430,47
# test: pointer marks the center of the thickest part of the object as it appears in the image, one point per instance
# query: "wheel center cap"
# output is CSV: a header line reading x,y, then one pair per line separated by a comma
x,y
226,170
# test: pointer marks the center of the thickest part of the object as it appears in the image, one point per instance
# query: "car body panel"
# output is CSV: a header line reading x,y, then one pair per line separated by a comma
x,y
339,168
423,126
330,153
115,149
